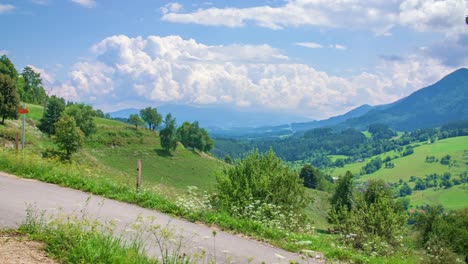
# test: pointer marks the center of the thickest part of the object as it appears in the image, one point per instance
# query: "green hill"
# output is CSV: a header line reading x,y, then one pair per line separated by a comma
x,y
433,106
119,146
415,165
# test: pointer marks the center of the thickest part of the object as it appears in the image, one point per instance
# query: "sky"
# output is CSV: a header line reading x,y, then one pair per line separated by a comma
x,y
314,58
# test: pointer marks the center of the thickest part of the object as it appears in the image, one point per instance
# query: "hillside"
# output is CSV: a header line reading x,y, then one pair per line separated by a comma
x,y
117,146
433,106
356,112
416,165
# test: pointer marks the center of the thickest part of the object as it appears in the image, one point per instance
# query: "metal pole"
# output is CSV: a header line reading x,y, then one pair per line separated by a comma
x,y
23,131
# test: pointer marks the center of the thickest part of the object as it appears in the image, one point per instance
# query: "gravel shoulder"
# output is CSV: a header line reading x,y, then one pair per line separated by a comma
x,y
17,249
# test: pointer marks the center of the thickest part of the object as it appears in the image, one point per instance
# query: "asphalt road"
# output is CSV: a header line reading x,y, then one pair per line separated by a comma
x,y
16,194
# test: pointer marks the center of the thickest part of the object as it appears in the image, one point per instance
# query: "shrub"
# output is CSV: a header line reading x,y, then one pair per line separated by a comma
x,y
260,181
375,223
443,233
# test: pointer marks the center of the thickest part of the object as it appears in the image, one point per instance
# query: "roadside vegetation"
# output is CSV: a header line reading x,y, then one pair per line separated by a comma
x,y
258,195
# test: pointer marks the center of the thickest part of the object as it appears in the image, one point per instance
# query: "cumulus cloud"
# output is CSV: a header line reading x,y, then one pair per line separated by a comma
x,y
452,50
171,7
380,16
154,70
85,3
47,78
6,8
434,15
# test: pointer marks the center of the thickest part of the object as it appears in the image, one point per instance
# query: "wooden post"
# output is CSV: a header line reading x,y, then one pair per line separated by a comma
x,y
17,142
138,179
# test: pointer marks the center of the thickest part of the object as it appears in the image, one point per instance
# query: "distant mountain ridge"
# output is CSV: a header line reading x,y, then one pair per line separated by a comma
x,y
218,117
432,106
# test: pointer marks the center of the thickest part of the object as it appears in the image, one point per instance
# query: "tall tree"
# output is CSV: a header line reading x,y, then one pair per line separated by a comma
x,y
168,134
55,107
208,143
151,117
9,99
32,91
183,132
136,120
7,68
84,117
68,136
311,176
343,196
192,136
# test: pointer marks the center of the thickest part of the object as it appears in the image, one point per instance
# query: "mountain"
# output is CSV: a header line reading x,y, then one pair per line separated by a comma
x,y
220,118
433,106
356,112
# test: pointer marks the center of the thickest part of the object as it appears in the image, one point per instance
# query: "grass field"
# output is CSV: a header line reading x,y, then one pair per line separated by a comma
x,y
119,146
453,198
414,164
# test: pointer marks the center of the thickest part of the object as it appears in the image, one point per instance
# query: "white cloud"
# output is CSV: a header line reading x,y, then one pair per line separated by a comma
x,y
157,69
47,78
431,15
339,47
171,7
6,8
379,16
85,3
311,45
3,52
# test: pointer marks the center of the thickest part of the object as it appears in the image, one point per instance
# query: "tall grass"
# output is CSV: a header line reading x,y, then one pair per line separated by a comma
x,y
82,239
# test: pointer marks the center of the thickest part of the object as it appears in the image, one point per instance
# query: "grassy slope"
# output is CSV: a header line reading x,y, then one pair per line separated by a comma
x,y
415,165
453,198
180,169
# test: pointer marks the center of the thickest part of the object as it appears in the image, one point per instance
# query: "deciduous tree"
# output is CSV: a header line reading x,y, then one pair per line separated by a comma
x,y
151,116
84,117
7,68
68,136
32,90
168,134
55,107
9,99
136,120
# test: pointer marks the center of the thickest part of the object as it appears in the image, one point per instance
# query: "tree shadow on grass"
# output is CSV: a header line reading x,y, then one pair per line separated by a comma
x,y
163,153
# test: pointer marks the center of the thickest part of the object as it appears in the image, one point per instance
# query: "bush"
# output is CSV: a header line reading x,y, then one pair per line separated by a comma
x,y
446,230
375,223
260,183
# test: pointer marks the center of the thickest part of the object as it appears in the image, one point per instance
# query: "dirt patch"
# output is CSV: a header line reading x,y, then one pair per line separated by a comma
x,y
19,250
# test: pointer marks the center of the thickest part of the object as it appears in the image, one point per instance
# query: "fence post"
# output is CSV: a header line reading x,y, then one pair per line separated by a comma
x,y
17,142
138,179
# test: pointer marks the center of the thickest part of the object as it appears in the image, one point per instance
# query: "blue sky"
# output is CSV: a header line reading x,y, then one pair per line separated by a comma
x,y
315,58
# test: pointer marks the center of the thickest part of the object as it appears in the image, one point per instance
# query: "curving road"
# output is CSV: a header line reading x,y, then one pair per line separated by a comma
x,y
16,194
